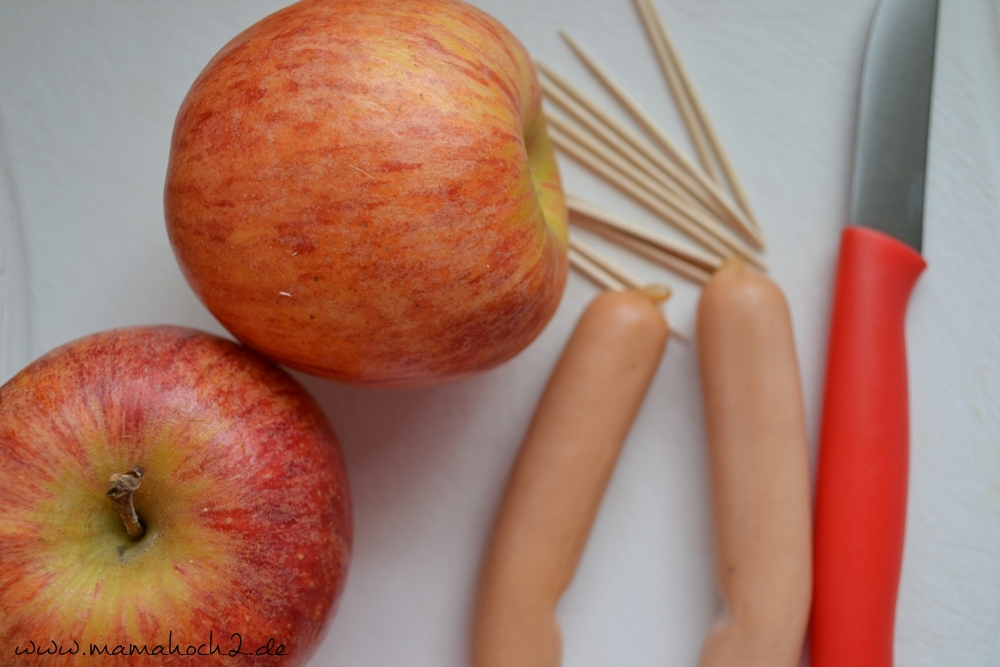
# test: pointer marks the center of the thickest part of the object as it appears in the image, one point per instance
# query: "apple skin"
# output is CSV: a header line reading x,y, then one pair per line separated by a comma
x,y
365,190
245,500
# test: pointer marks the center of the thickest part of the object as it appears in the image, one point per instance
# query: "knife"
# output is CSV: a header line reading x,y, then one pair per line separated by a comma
x,y
864,434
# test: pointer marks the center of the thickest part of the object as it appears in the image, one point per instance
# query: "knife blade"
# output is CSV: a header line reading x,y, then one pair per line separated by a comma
x,y
863,463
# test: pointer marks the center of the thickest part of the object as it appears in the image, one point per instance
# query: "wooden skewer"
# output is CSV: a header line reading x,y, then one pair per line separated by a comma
x,y
637,192
738,217
620,274
671,57
673,210
668,65
594,272
643,249
691,213
683,251
637,112
689,262
644,156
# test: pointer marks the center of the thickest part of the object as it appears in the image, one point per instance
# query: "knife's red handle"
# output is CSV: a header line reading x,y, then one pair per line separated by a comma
x,y
863,454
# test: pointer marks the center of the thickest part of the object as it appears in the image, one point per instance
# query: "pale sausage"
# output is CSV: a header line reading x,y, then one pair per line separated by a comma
x,y
559,478
759,472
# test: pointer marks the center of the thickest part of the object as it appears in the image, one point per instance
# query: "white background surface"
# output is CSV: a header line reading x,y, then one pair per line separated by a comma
x,y
88,93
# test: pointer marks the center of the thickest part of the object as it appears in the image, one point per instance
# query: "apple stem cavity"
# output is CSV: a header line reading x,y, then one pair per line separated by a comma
x,y
123,485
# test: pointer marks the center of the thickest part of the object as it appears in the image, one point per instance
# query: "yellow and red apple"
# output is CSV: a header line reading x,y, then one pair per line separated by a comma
x,y
364,190
242,515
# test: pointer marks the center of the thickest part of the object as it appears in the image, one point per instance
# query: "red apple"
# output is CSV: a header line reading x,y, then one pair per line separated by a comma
x,y
364,190
242,506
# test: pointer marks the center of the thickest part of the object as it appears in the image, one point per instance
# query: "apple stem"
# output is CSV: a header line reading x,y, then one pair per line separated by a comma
x,y
123,484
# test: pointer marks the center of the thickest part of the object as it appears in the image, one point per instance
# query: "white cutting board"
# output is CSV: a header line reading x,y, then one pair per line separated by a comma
x,y
88,93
